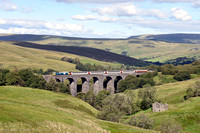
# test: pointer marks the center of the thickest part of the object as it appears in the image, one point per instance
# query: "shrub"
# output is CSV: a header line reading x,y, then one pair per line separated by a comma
x,y
132,82
13,78
81,95
170,127
115,106
141,121
100,97
90,97
181,76
193,91
3,73
147,96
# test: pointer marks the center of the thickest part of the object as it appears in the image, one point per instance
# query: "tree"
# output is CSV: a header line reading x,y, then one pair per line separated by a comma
x,y
25,75
132,82
90,97
114,107
193,91
182,75
147,96
37,82
100,97
13,78
3,73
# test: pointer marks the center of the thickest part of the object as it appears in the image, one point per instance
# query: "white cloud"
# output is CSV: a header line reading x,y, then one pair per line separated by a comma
x,y
97,1
107,19
180,14
83,17
129,9
39,27
166,26
7,5
153,13
123,9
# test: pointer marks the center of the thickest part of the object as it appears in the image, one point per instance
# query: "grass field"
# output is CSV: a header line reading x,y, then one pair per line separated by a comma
x,y
185,113
32,110
12,56
140,49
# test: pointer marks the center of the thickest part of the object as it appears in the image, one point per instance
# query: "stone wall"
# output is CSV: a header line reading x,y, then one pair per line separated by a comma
x,y
158,107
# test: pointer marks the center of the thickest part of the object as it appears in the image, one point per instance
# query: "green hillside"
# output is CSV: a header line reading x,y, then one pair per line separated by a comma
x,y
31,110
12,56
185,113
138,47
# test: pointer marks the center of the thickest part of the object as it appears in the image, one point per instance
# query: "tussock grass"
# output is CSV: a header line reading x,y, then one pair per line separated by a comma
x,y
153,50
25,110
12,56
185,113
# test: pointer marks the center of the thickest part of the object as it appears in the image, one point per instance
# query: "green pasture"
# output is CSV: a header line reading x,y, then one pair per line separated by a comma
x,y
32,110
12,56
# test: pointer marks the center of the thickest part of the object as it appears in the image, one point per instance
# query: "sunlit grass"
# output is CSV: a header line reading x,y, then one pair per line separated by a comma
x,y
25,110
12,56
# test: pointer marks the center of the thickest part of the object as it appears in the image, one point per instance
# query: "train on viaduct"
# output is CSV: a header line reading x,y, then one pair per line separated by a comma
x,y
101,80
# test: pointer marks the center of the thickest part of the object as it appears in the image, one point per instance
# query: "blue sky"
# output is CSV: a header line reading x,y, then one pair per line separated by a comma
x,y
99,18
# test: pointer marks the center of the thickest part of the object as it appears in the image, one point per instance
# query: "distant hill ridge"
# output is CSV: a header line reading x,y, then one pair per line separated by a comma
x,y
171,38
31,37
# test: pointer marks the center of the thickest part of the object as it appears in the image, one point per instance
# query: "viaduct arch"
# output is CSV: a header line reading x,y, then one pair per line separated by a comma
x,y
108,81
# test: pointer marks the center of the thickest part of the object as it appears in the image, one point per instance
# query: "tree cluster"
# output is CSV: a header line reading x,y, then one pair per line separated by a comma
x,y
115,107
180,72
27,78
87,66
132,82
193,91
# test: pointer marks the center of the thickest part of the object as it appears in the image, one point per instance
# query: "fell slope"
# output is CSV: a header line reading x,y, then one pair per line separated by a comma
x,y
140,47
172,38
185,113
33,110
87,52
12,56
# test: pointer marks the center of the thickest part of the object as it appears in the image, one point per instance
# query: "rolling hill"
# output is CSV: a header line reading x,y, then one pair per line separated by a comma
x,y
87,52
12,56
171,38
139,47
185,113
32,110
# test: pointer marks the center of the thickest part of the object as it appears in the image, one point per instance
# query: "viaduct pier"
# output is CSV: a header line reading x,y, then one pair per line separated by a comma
x,y
101,80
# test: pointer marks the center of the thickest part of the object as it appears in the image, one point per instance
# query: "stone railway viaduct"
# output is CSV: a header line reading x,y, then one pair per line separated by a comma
x,y
99,82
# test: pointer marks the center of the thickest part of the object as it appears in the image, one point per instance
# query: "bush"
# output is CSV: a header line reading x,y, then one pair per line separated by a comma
x,y
3,73
100,97
81,95
181,76
141,121
114,107
132,82
90,97
147,96
170,127
193,91
13,78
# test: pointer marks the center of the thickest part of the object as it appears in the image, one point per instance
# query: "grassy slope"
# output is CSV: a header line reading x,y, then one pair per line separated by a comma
x,y
186,113
33,110
14,56
154,50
